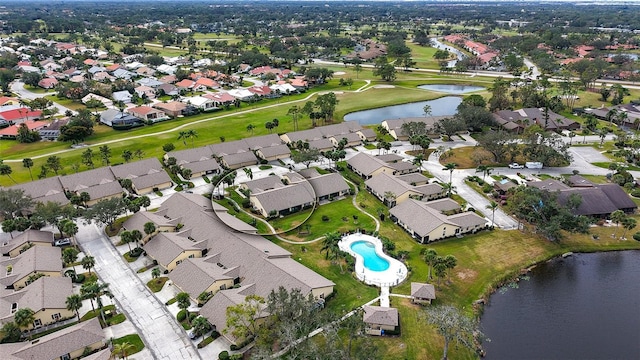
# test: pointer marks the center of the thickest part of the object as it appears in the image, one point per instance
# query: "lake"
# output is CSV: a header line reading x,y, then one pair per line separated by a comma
x,y
586,306
439,107
451,89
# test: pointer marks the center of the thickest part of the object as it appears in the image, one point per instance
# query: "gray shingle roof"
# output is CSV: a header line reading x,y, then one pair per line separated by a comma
x,y
445,204
286,197
419,217
165,247
383,182
194,276
29,236
276,150
240,158
327,184
378,315
61,342
265,141
305,135
549,184
191,155
423,291
85,179
413,178
263,184
365,164
467,219
44,293
37,258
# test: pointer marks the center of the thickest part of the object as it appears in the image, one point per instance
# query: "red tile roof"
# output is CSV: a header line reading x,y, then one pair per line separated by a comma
x,y
31,125
21,113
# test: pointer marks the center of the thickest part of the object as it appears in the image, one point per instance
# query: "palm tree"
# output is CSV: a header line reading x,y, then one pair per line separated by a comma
x,y
330,245
126,237
70,256
450,262
183,303
448,188
28,163
628,223
155,273
484,169
571,136
430,256
440,268
450,167
149,228
417,161
74,303
617,217
24,318
611,114
192,134
70,228
88,262
250,128
6,170
122,349
389,198
183,135
493,206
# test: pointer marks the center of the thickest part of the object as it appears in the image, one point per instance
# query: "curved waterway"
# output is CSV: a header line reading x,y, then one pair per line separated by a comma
x,y
586,306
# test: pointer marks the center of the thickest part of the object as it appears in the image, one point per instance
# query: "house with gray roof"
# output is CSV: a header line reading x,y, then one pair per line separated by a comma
x,y
394,126
123,74
68,343
422,293
414,179
36,260
146,175
238,160
391,190
273,153
19,244
283,200
367,166
123,96
44,190
200,161
329,186
523,118
46,297
256,264
379,319
170,249
99,183
203,275
427,224
119,120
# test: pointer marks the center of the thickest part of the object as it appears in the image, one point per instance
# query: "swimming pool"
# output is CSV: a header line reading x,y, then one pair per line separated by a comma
x,y
368,252
373,266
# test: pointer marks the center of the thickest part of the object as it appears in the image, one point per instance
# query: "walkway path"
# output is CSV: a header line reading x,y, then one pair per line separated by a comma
x,y
161,333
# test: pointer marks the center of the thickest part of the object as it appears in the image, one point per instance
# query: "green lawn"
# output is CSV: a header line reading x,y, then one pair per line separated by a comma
x,y
133,339
73,105
156,285
423,56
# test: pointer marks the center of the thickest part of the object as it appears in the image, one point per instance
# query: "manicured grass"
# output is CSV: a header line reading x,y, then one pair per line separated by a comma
x,y
596,179
73,105
111,320
340,214
133,339
156,285
605,165
463,157
130,258
423,56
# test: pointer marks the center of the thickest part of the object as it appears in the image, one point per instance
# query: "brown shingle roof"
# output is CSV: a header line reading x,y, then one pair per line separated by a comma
x,y
327,184
37,258
194,276
29,236
165,247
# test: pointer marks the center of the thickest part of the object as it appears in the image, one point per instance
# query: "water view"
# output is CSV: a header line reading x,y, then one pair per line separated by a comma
x,y
451,89
439,107
581,307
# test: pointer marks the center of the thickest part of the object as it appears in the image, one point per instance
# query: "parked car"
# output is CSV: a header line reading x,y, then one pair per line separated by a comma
x,y
192,334
62,242
516,166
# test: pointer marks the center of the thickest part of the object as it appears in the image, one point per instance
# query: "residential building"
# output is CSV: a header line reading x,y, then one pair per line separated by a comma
x,y
261,265
281,200
21,243
394,126
329,186
146,175
171,108
379,319
119,119
518,120
44,190
46,297
20,270
122,96
367,166
11,132
68,343
200,102
203,275
426,224
391,190
99,183
148,114
170,249
199,160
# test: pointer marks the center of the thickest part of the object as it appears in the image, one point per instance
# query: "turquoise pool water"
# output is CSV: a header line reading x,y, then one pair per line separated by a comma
x,y
372,261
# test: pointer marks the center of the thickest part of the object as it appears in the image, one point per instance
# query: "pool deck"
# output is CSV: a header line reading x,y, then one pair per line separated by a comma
x,y
394,275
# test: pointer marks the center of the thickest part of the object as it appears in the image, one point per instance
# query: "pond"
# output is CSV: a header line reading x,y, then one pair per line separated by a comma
x,y
583,306
439,107
451,89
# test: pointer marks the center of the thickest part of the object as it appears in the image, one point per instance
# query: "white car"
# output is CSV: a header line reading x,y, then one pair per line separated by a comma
x,y
516,166
62,242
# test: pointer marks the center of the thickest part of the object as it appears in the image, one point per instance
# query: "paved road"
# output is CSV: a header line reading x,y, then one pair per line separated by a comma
x,y
164,337
18,88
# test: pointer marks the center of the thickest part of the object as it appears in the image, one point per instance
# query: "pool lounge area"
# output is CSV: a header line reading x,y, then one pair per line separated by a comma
x,y
373,266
